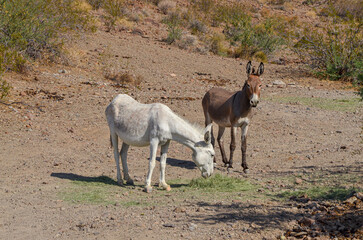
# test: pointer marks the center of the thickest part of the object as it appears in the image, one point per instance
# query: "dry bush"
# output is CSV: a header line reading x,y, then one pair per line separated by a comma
x,y
166,6
217,44
197,26
187,40
123,78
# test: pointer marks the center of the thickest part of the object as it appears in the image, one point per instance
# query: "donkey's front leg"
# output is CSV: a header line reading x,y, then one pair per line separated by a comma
x,y
232,147
244,147
164,151
153,149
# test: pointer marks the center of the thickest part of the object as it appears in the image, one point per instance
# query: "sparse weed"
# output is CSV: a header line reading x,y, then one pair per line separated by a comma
x,y
343,105
166,6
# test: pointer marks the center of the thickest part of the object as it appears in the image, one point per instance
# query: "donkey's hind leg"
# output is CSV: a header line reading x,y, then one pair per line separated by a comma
x,y
221,144
114,142
123,153
164,152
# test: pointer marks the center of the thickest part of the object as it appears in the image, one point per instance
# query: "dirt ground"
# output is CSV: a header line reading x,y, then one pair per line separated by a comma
x,y
53,132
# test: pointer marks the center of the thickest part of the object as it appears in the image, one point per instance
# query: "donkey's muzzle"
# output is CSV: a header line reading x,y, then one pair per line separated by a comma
x,y
254,103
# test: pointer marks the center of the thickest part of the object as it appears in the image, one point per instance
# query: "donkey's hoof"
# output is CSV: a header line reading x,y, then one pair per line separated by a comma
x,y
148,189
130,182
120,182
167,188
246,170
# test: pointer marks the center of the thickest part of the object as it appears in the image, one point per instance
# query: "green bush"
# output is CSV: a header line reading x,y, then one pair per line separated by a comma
x,y
334,51
32,27
114,10
173,21
252,39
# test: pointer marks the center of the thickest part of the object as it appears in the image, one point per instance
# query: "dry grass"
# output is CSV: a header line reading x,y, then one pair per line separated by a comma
x,y
123,78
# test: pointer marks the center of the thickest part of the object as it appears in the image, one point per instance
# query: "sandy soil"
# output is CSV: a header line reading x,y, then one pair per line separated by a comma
x,y
53,131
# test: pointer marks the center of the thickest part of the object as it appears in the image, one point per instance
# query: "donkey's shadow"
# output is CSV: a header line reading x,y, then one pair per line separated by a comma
x,y
107,180
80,178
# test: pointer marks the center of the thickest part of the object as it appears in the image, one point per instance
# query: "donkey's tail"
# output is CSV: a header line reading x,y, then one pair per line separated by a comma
x,y
111,141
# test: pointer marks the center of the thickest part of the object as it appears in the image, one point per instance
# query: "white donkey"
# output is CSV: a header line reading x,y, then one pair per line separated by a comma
x,y
155,124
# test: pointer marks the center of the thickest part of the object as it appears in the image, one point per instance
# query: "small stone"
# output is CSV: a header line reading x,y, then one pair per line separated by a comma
x,y
173,75
170,225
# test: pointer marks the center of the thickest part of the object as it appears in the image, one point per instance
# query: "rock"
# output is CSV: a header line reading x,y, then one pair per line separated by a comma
x,y
173,75
351,200
192,226
307,221
179,210
169,225
359,195
279,83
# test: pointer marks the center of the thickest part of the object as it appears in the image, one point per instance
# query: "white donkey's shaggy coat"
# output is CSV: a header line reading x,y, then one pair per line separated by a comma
x,y
154,124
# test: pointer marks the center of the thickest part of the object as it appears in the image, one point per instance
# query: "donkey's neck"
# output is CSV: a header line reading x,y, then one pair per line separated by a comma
x,y
241,104
184,133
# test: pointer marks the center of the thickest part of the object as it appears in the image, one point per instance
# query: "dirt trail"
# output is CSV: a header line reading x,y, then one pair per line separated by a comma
x,y
55,131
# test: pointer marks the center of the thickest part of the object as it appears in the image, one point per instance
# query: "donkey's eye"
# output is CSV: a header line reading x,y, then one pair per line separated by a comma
x,y
260,86
248,86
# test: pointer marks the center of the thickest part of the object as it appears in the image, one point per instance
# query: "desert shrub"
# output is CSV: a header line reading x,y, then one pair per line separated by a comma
x,y
216,44
335,51
197,26
187,40
9,60
204,6
173,22
96,4
33,27
166,6
250,39
114,10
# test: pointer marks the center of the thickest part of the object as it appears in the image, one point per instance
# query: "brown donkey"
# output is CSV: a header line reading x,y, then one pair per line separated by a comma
x,y
233,109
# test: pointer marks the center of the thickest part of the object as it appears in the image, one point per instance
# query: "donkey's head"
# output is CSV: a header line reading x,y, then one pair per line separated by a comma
x,y
203,153
253,84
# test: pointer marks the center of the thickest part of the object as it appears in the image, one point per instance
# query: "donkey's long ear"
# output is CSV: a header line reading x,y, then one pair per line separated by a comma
x,y
248,68
260,69
208,134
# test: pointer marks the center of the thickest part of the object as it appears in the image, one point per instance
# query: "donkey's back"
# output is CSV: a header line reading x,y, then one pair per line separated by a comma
x,y
134,122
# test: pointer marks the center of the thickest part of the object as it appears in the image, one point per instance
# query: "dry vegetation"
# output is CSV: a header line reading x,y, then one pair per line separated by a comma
x,y
331,43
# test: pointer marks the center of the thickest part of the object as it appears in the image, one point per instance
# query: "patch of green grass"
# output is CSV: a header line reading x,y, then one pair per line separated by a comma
x,y
321,193
221,183
343,105
105,191
97,190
